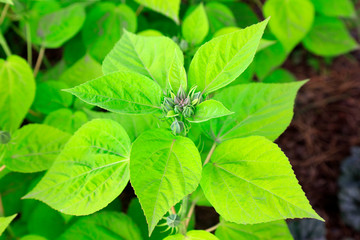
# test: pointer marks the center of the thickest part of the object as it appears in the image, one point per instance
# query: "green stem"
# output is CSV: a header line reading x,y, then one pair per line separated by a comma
x,y
28,42
1,208
210,153
3,13
190,213
139,10
4,45
259,4
213,228
39,61
183,227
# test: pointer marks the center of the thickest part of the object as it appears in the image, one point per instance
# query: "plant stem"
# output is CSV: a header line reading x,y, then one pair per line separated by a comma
x,y
173,210
39,60
28,42
190,213
3,13
183,227
139,10
213,228
4,45
210,153
1,208
259,4
2,168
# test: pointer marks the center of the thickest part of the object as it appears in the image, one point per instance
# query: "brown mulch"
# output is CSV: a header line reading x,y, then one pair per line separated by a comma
x,y
325,127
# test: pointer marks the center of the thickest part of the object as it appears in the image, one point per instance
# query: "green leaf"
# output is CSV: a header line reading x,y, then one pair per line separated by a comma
x,y
34,148
329,38
290,20
280,76
153,57
277,230
104,25
32,237
49,97
150,33
208,110
54,29
263,66
219,16
193,235
5,222
254,183
199,198
221,60
84,70
133,124
91,171
66,120
195,26
177,74
164,169
7,2
103,225
243,13
335,8
121,92
260,109
168,8
16,100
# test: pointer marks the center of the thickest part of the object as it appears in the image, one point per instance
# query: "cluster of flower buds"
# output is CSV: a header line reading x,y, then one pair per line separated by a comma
x,y
180,107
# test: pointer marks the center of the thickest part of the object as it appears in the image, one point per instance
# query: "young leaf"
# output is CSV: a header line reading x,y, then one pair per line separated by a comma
x,y
16,100
104,26
291,20
90,172
277,230
121,92
329,38
177,74
208,110
195,26
5,222
54,29
335,8
219,16
193,235
153,57
103,225
255,183
34,148
260,109
168,8
160,164
221,60
49,97
66,120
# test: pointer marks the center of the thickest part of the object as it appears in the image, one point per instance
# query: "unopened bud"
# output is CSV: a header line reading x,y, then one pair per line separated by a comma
x,y
177,127
188,112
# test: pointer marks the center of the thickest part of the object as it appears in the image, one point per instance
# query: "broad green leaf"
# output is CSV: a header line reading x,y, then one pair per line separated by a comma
x,y
121,92
280,76
219,16
290,20
150,56
49,97
260,109
277,230
195,26
66,120
54,29
221,60
16,100
164,169
177,74
168,8
193,235
255,183
5,222
32,237
263,66
45,221
34,148
84,70
104,25
208,110
7,2
243,13
335,8
150,33
329,38
90,172
133,124
74,50
103,225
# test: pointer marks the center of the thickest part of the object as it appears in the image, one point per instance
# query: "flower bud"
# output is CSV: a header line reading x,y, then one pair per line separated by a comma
x,y
5,137
177,127
181,93
188,112
177,109
168,104
171,113
197,98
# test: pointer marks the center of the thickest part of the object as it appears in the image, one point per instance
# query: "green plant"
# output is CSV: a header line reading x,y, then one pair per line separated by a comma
x,y
172,108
